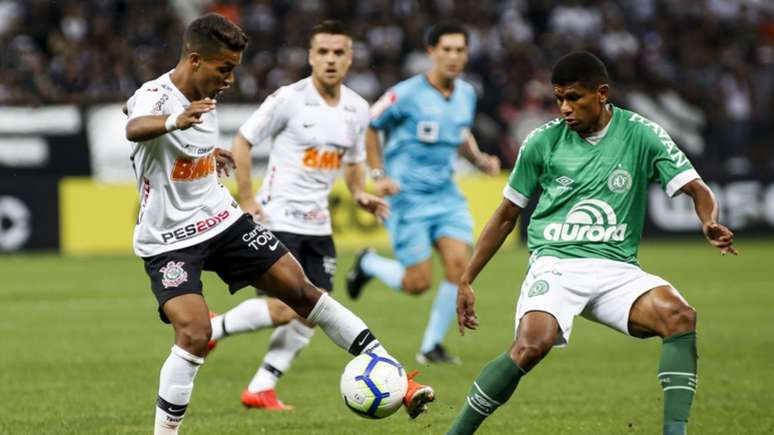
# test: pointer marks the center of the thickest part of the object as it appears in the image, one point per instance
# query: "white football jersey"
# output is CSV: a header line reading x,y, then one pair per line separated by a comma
x,y
310,140
182,203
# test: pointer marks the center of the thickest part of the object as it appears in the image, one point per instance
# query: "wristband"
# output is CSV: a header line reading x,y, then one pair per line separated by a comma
x,y
376,174
171,123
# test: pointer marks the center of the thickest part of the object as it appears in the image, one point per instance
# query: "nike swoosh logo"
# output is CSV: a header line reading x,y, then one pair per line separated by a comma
x,y
307,125
360,343
274,246
171,409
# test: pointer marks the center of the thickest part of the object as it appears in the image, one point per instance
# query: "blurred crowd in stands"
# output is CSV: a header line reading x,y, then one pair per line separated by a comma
x,y
702,68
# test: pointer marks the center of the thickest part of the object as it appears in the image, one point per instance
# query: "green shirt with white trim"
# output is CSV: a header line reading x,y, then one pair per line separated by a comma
x,y
594,195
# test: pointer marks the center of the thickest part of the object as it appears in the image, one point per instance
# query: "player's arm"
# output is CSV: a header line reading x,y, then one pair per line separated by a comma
x,y
354,176
707,210
143,128
497,229
241,149
486,163
383,184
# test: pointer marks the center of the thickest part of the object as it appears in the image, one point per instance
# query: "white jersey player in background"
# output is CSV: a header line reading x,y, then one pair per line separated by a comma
x,y
317,126
188,222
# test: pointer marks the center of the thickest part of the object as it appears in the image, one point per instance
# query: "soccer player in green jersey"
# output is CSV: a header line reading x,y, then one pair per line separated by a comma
x,y
594,165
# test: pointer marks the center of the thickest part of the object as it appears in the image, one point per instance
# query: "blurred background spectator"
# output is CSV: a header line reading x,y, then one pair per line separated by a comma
x,y
704,69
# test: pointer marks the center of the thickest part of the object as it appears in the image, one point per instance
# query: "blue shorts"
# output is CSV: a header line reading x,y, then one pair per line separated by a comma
x,y
413,234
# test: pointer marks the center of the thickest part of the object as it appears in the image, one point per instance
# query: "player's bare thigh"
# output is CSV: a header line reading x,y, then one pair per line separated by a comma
x,y
662,312
455,254
189,315
286,281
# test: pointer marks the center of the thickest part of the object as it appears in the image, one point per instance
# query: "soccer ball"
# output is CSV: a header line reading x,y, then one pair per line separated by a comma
x,y
373,386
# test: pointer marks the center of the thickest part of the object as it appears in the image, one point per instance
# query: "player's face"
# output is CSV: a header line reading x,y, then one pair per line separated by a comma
x,y
215,74
330,57
580,106
450,55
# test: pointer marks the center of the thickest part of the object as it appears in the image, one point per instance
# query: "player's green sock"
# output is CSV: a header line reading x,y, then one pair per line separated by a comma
x,y
677,374
493,387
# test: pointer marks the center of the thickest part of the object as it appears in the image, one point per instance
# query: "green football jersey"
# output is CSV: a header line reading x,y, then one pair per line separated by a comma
x,y
594,197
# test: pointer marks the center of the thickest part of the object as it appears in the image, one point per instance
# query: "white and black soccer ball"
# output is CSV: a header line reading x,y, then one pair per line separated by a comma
x,y
373,386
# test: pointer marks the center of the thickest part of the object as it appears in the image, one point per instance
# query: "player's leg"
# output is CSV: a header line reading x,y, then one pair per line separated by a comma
x,y
251,315
537,333
286,280
551,296
663,312
454,255
411,272
175,282
317,255
189,316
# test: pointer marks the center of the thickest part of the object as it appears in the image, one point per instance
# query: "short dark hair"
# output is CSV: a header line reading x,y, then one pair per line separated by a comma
x,y
209,33
580,67
435,32
333,27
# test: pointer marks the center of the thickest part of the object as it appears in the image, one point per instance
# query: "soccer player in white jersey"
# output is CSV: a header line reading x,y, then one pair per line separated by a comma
x,y
594,165
316,126
188,222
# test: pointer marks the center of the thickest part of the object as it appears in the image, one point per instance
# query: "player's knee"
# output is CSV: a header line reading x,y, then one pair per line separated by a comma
x,y
309,297
681,319
454,270
527,354
416,285
281,313
193,337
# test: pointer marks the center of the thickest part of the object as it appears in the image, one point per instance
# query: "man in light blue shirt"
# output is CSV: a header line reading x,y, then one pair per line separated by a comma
x,y
426,122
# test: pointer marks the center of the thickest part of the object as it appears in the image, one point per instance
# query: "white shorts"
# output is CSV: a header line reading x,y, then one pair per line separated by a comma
x,y
600,290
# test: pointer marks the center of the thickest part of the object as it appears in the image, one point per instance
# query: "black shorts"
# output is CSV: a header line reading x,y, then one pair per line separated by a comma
x,y
239,255
317,255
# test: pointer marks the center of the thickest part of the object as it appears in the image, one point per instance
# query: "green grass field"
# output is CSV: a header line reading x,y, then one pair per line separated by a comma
x,y
81,347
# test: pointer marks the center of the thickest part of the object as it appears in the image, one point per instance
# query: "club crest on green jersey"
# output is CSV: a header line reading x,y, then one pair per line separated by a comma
x,y
619,181
540,287
591,220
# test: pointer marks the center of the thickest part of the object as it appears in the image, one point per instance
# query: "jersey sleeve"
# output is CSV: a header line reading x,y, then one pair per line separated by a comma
x,y
385,113
526,173
149,100
669,166
357,153
268,119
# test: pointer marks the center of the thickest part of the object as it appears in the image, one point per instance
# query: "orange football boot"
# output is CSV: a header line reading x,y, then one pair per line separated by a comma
x,y
266,399
417,396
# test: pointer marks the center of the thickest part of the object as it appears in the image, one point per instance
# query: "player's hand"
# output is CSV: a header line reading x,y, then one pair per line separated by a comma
x,y
466,314
251,206
193,113
224,161
488,164
719,236
386,186
374,205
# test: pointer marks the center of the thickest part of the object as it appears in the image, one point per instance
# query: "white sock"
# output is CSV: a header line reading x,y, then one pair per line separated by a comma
x,y
175,387
285,344
250,315
343,327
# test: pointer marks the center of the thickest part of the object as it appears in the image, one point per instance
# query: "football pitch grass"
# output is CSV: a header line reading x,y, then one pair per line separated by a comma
x,y
81,348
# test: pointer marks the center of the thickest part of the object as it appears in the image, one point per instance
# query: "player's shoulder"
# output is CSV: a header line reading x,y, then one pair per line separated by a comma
x,y
159,86
409,86
353,99
292,91
546,133
640,124
465,86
